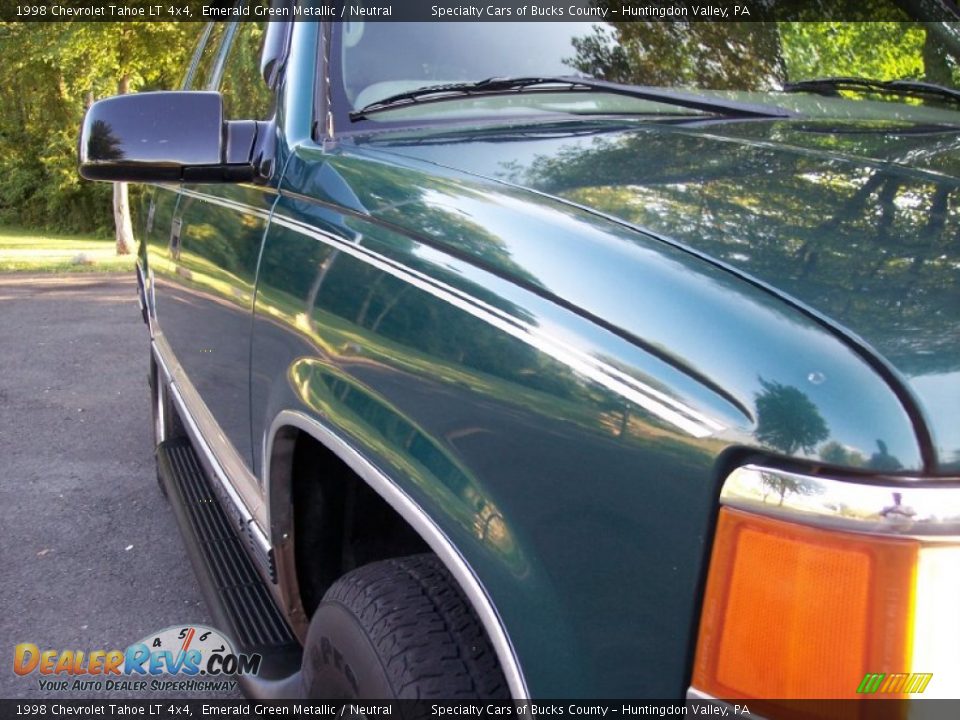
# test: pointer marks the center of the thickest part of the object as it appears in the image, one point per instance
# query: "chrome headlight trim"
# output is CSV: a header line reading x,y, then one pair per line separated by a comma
x,y
930,512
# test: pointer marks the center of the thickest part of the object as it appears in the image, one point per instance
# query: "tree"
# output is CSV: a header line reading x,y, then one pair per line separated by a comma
x,y
130,56
783,485
836,454
715,55
878,50
787,420
53,72
881,253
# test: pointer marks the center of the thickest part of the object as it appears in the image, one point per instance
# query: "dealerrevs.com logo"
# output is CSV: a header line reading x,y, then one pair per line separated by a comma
x,y
187,652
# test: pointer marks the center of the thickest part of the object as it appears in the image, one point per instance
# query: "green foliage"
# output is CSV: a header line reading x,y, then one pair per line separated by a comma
x,y
725,56
835,453
878,50
52,72
763,55
245,95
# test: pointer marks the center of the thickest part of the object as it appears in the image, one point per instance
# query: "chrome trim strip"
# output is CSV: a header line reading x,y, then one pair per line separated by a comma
x,y
649,398
694,694
141,285
898,507
247,527
654,401
727,709
424,525
240,207
152,302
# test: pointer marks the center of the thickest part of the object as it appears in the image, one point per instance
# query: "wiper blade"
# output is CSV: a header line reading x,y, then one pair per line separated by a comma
x,y
500,86
831,86
490,86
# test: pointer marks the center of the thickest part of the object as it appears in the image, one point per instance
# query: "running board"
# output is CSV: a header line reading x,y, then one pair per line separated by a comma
x,y
240,603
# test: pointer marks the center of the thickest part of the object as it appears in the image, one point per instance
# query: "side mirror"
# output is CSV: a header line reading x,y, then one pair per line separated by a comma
x,y
165,137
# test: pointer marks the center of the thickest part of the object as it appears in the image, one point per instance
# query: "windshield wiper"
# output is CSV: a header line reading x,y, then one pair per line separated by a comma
x,y
500,86
831,86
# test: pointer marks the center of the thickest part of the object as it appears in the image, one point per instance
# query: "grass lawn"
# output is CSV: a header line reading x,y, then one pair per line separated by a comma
x,y
25,250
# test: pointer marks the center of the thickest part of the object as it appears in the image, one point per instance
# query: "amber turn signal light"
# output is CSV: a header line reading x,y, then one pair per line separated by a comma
x,y
799,612
829,589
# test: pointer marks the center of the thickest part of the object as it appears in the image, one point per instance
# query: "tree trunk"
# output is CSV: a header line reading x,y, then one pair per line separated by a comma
x,y
317,284
121,202
121,218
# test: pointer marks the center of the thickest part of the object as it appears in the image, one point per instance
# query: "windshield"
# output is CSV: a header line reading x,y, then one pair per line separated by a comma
x,y
381,59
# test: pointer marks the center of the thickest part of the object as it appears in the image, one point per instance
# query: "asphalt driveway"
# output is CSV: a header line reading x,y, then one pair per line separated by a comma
x,y
89,550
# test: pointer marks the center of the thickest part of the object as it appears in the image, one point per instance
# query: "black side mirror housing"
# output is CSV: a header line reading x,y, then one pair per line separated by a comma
x,y
165,137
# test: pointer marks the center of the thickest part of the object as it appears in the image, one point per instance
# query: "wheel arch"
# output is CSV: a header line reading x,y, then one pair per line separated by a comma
x,y
278,458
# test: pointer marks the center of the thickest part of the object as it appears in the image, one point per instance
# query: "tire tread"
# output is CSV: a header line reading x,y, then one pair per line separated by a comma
x,y
428,637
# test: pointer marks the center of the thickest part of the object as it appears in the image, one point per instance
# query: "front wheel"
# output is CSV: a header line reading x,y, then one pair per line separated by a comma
x,y
399,628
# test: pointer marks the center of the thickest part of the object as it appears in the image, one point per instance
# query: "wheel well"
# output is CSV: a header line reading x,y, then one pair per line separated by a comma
x,y
339,521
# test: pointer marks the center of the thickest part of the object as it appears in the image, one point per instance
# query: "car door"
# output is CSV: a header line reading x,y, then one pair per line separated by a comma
x,y
208,266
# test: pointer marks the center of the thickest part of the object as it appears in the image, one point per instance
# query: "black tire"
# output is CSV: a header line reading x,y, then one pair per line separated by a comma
x,y
399,628
166,423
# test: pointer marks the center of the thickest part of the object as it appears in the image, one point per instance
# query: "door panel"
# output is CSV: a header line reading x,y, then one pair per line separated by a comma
x,y
161,209
208,248
209,301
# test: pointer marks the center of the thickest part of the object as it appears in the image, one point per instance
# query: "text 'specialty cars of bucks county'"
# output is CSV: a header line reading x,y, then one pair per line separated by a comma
x,y
572,360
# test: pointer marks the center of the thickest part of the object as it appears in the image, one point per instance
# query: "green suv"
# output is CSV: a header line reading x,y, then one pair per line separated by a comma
x,y
583,359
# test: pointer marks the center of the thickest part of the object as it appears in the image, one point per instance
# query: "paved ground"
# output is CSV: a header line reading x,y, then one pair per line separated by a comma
x,y
89,550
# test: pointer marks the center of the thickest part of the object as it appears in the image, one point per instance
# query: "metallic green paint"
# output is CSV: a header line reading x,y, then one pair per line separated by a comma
x,y
513,454
203,255
557,339
716,332
856,220
393,276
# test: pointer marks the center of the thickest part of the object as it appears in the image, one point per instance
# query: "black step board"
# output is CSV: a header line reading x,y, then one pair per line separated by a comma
x,y
241,605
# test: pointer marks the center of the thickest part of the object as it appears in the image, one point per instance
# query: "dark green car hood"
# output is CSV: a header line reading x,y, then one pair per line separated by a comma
x,y
856,221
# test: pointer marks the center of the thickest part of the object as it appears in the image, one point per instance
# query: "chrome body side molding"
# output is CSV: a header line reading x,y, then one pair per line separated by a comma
x,y
281,530
660,404
274,554
654,401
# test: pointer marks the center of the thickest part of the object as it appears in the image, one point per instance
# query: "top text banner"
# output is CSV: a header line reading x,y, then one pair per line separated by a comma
x,y
467,10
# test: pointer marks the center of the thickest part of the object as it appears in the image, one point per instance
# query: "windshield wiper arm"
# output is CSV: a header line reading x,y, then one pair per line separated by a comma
x,y
432,93
831,86
499,86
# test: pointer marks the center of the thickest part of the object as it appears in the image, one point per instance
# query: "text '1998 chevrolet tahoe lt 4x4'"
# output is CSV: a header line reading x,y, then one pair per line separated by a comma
x,y
583,359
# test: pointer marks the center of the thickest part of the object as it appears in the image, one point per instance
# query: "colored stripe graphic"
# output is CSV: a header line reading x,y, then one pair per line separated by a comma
x,y
918,682
894,683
